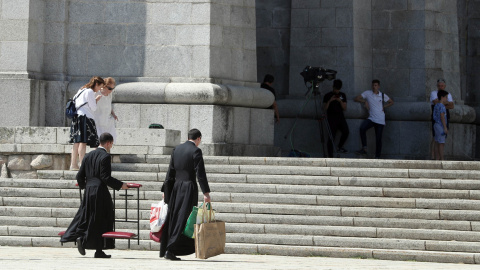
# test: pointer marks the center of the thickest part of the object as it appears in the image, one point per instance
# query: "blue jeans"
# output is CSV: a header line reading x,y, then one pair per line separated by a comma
x,y
366,125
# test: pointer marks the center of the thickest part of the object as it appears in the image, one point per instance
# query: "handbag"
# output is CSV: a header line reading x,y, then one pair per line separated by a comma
x,y
210,237
70,108
158,214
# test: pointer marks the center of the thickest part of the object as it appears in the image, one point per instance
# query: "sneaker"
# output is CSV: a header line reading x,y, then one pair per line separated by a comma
x,y
361,152
342,150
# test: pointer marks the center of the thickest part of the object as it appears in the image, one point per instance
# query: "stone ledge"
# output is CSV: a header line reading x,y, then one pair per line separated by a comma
x,y
193,93
32,136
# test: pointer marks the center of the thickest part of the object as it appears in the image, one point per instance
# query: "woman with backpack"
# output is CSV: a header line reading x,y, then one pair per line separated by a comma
x,y
83,131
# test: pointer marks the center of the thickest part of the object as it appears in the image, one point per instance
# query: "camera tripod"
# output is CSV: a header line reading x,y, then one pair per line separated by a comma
x,y
314,94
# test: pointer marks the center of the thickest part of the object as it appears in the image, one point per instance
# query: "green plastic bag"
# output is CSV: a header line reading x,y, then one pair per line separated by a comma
x,y
192,219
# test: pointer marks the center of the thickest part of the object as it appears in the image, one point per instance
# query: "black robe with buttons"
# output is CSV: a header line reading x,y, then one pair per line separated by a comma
x,y
95,215
181,194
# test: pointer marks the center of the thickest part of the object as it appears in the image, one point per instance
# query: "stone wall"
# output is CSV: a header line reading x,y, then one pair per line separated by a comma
x,y
47,46
469,29
273,42
152,40
407,45
321,36
53,47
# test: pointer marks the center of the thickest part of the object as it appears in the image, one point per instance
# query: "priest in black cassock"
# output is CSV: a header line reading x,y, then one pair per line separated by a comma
x,y
95,215
181,194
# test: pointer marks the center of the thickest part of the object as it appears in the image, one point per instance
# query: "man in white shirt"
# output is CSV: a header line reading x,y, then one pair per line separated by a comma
x,y
374,101
441,85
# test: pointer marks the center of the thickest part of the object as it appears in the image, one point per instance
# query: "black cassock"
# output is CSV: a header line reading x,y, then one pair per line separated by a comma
x,y
95,215
181,194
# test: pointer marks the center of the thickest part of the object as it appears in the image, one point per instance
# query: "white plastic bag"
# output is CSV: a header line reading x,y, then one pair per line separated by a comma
x,y
204,215
158,214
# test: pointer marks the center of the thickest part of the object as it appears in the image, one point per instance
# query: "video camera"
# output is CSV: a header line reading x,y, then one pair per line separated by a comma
x,y
317,74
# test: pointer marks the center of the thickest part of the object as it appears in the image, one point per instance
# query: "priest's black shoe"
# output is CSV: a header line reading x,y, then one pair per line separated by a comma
x,y
80,247
102,254
171,256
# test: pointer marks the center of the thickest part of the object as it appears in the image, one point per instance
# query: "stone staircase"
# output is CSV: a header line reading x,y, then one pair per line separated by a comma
x,y
382,209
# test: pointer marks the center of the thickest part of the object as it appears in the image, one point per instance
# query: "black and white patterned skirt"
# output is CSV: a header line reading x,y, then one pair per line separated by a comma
x,y
83,130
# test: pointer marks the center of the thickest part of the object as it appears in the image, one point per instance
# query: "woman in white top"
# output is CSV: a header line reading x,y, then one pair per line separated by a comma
x,y
104,115
83,131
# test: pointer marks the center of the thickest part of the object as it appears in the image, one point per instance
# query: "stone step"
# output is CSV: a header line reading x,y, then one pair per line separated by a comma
x,y
348,231
335,202
275,230
371,217
310,162
301,194
354,242
287,241
281,250
60,223
439,224
462,184
29,241
297,170
64,184
364,253
53,231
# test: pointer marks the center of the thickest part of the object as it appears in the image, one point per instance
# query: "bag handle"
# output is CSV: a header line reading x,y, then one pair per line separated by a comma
x,y
205,209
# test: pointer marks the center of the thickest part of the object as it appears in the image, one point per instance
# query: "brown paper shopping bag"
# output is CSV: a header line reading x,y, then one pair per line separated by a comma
x,y
210,238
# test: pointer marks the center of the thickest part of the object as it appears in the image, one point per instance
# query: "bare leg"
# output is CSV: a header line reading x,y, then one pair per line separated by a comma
x,y
74,158
441,146
436,153
432,147
81,151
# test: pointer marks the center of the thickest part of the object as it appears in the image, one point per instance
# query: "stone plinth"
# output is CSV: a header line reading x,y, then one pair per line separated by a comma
x,y
407,133
225,130
27,149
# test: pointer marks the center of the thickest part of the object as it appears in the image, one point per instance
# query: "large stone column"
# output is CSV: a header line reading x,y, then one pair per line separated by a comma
x,y
21,38
32,62
184,64
469,33
407,45
179,63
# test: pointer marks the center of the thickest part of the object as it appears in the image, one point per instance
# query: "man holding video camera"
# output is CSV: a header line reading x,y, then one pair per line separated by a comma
x,y
335,103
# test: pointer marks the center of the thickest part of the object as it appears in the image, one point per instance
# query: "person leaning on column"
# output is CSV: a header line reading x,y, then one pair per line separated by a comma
x,y
374,101
267,84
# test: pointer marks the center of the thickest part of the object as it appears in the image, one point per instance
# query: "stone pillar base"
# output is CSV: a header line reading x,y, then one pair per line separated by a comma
x,y
219,149
226,130
401,139
407,133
